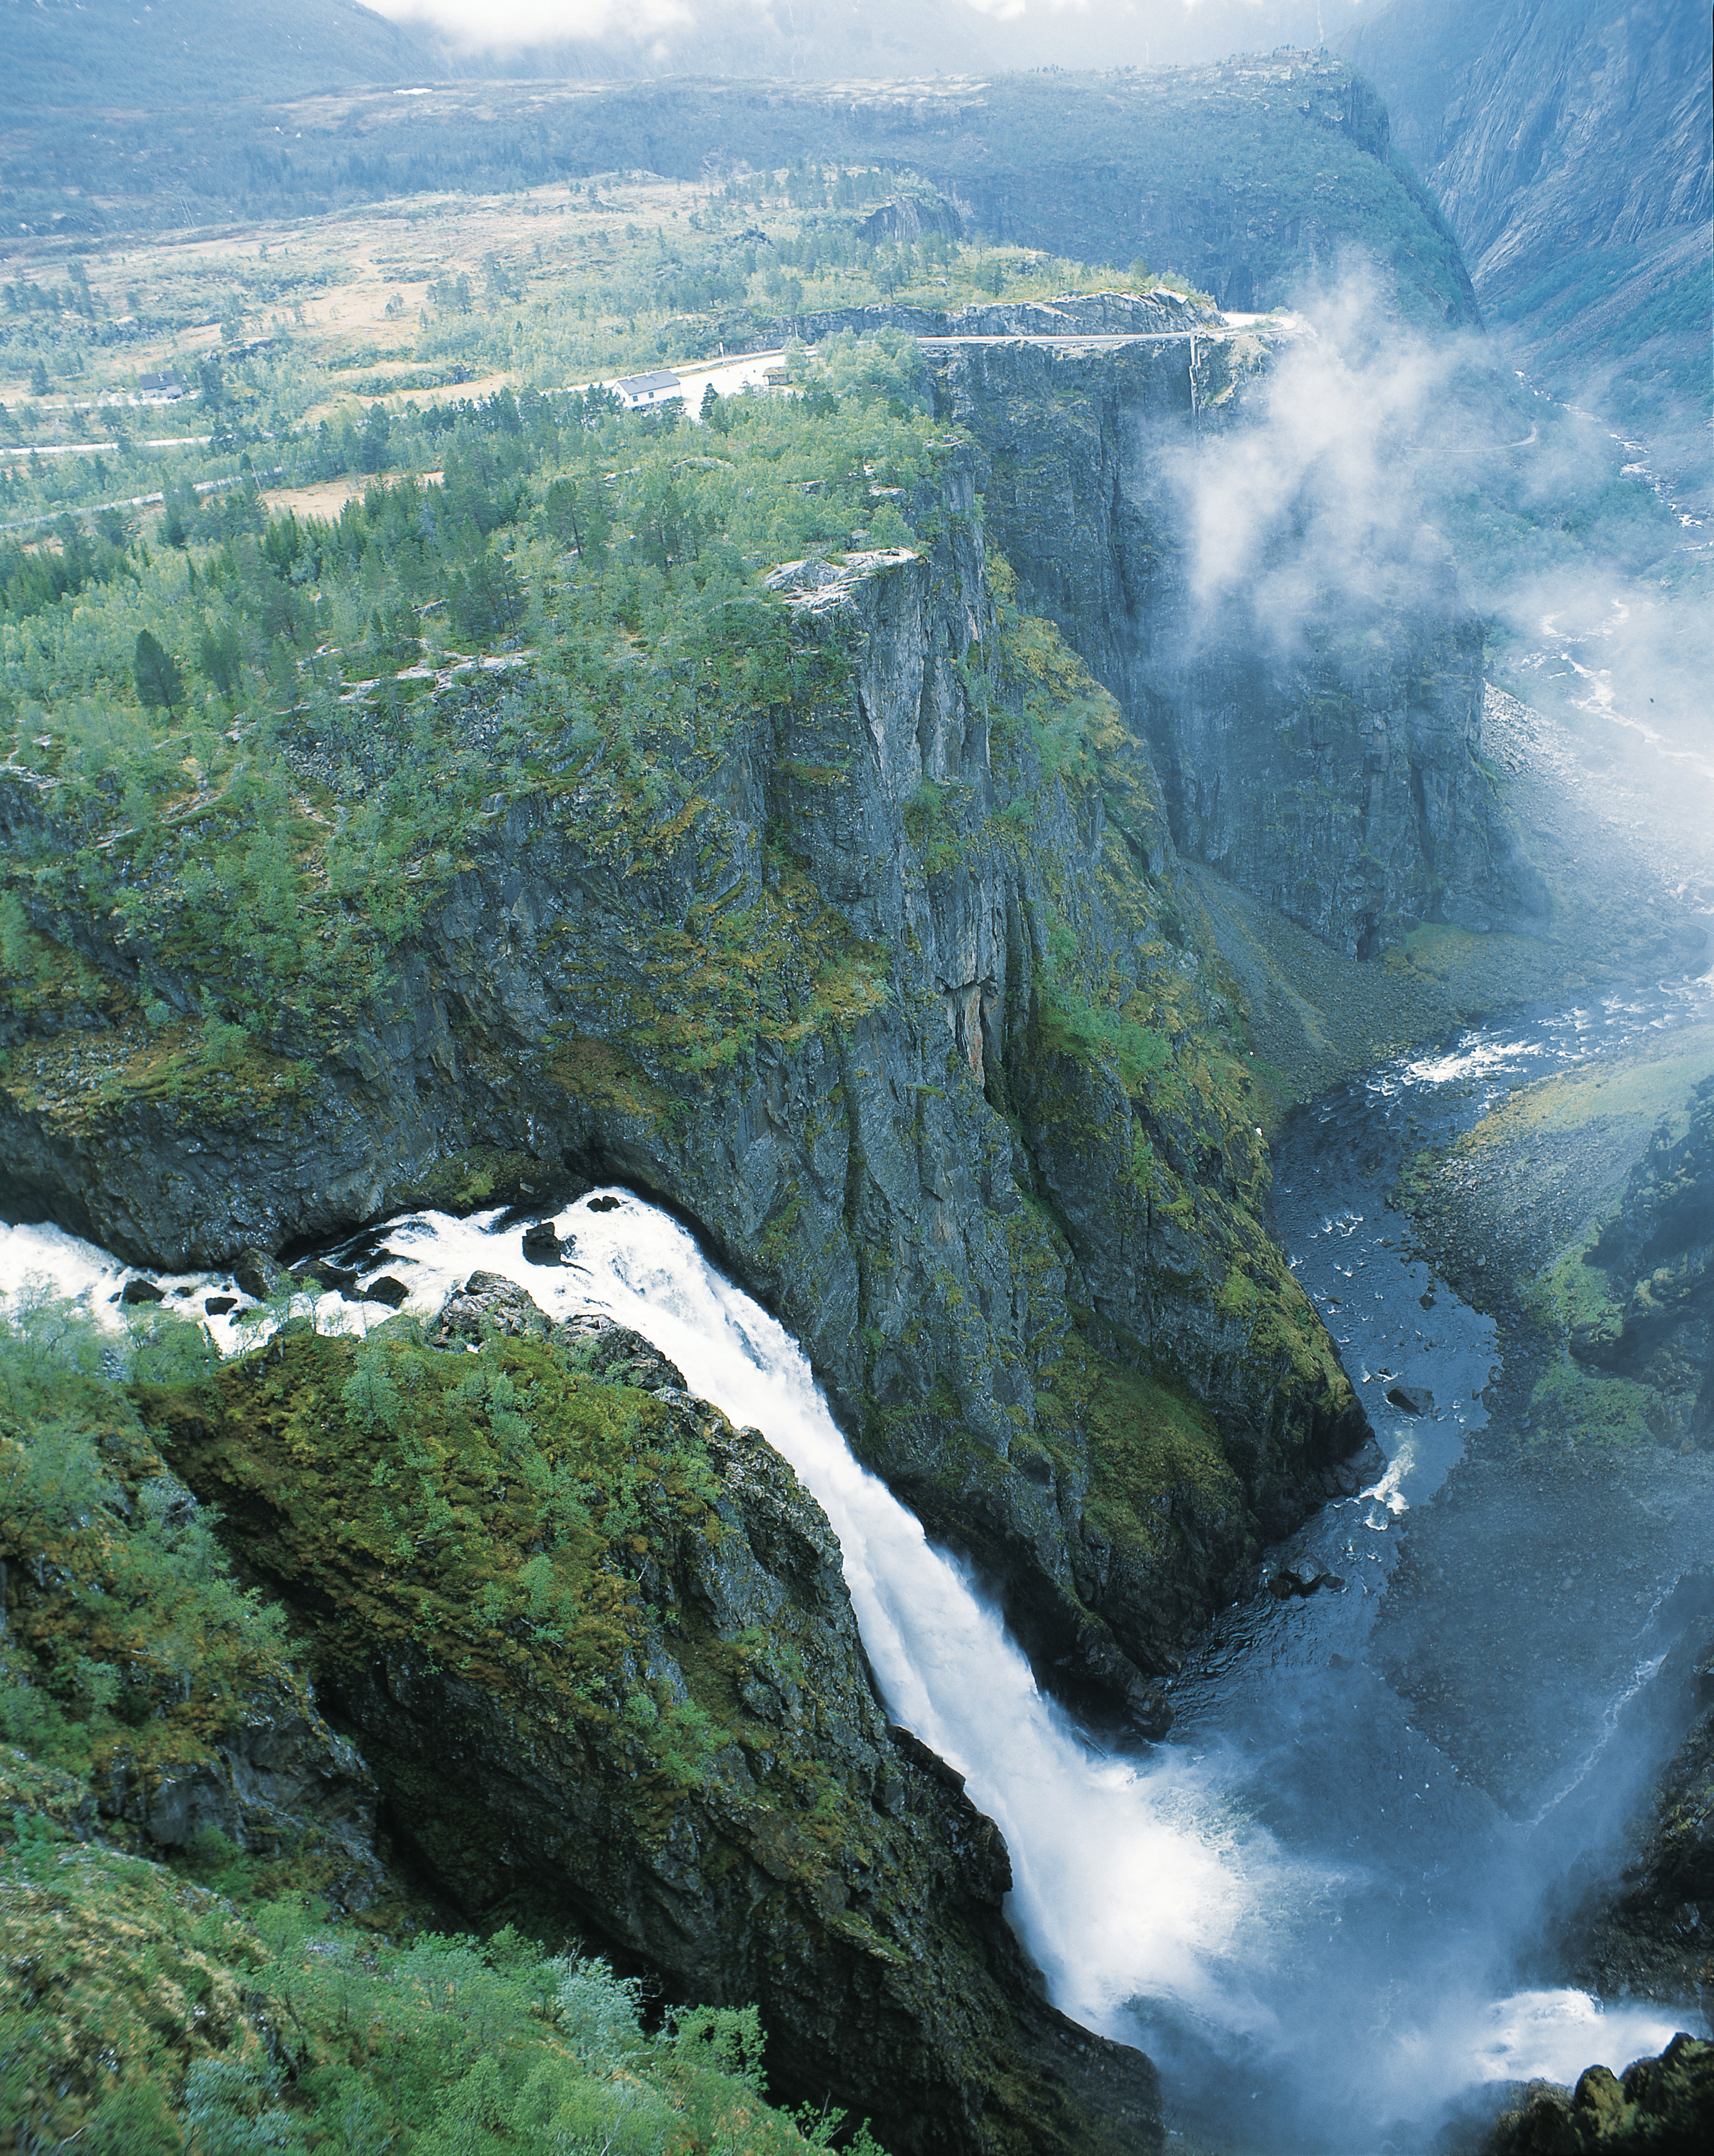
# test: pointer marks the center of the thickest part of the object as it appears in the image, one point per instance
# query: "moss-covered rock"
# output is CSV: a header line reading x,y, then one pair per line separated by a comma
x,y
888,981
1660,2106
597,1648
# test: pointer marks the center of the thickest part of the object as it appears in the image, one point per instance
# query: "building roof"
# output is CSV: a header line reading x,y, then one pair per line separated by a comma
x,y
647,385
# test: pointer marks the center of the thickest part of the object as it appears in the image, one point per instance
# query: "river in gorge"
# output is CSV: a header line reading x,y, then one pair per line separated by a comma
x,y
1317,1918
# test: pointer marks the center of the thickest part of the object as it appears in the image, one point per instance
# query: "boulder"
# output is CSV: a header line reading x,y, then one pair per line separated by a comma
x,y
216,1306
618,1355
256,1274
543,1245
384,1288
1660,2106
487,1303
141,1291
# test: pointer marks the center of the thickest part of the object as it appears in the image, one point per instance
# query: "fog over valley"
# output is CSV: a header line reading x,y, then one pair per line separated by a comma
x,y
857,1078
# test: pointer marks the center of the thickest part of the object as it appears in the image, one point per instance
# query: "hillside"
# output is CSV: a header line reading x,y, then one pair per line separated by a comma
x,y
182,54
1568,141
1248,178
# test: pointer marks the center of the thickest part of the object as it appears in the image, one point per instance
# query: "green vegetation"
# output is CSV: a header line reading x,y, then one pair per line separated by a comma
x,y
268,748
1066,162
145,2012
220,2005
134,1648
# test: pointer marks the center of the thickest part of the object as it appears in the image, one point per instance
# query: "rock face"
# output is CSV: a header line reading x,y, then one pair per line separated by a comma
x,y
1658,1252
890,987
1568,147
654,1726
1156,313
1662,2106
1333,772
1652,1931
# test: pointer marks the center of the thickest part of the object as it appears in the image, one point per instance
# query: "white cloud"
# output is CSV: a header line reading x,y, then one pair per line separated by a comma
x,y
506,24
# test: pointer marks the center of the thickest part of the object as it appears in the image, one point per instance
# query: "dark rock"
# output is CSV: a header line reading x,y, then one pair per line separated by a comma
x,y
618,1355
1406,827
1295,1581
1411,1399
487,1303
1651,1931
1661,2106
386,1289
257,1275
876,1946
321,1274
137,1290
543,1245
216,1306
275,1775
603,1205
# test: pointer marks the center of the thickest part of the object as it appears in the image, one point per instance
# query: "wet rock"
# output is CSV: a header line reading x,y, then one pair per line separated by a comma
x,y
1411,1399
386,1289
603,1205
216,1306
543,1245
487,1303
1661,2106
621,1356
323,1275
138,1290
257,1274
1652,1930
1303,1577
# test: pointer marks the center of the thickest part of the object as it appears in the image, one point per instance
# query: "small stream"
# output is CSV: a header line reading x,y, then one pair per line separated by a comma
x,y
1318,1920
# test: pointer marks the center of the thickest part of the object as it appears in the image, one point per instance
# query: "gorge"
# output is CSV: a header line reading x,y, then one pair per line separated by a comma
x,y
891,1198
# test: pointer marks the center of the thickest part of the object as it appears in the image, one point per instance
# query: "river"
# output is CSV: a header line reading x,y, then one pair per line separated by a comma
x,y
1318,1919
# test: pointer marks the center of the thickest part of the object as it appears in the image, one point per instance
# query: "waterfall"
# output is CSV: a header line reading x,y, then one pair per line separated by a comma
x,y
1290,1991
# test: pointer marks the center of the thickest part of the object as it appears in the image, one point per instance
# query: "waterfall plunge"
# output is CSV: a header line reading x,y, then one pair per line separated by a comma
x,y
1160,1913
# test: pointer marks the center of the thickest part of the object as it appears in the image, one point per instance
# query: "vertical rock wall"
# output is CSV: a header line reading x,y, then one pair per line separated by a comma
x,y
1328,763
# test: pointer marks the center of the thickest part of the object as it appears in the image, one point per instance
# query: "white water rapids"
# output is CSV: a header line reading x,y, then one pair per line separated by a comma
x,y
1161,1911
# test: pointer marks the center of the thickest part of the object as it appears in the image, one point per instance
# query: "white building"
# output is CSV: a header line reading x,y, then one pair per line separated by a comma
x,y
639,391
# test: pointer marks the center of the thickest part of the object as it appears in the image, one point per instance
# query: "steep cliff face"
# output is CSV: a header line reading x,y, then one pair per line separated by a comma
x,y
888,986
1654,1316
616,1686
1566,142
1329,763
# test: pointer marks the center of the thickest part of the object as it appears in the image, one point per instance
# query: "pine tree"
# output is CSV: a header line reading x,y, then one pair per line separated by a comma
x,y
159,682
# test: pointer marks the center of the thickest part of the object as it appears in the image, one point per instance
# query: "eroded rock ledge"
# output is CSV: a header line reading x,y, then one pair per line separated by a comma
x,y
605,1668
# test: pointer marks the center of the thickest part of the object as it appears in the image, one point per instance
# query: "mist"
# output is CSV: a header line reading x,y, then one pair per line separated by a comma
x,y
1384,467
809,38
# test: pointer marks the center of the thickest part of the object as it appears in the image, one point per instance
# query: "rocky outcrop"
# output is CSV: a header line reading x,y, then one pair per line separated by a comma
x,y
1658,1253
1651,1931
1661,2106
888,986
1312,756
619,1692
1157,313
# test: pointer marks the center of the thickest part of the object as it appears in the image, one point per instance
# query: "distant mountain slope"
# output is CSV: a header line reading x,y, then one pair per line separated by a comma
x,y
1568,143
1250,178
177,52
